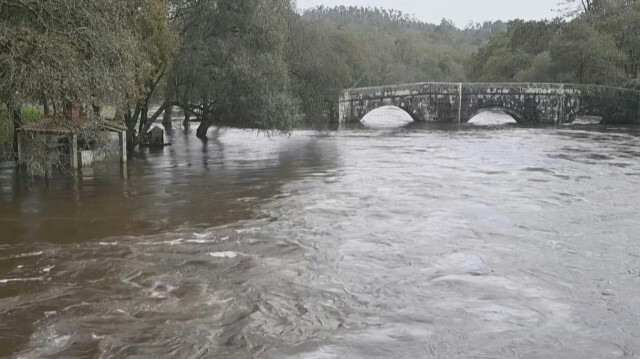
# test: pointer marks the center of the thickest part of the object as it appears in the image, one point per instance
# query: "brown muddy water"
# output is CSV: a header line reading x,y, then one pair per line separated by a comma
x,y
420,242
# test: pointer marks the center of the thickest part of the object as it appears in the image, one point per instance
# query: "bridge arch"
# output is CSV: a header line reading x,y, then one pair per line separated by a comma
x,y
387,116
409,106
515,114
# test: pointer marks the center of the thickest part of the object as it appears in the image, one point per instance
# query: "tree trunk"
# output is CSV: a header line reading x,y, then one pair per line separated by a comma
x,y
131,141
148,121
131,129
201,133
186,121
45,104
16,118
205,123
130,121
166,117
144,117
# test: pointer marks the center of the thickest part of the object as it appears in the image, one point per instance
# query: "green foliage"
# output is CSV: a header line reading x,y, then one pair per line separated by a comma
x,y
509,56
621,20
29,114
504,65
539,71
475,65
531,37
581,54
230,68
599,46
78,50
87,52
335,48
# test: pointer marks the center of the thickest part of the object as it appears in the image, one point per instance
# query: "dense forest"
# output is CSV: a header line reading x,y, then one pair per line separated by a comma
x,y
335,48
263,64
598,44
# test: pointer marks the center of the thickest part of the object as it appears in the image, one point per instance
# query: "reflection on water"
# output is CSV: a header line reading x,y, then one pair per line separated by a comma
x,y
424,241
188,184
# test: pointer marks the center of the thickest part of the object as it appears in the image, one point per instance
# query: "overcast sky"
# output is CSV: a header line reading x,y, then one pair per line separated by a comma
x,y
460,11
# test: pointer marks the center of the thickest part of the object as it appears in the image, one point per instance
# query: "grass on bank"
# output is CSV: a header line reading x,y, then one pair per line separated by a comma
x,y
29,114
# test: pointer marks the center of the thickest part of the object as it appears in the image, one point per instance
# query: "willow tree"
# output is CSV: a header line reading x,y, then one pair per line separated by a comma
x,y
321,64
581,54
621,20
81,51
158,45
230,68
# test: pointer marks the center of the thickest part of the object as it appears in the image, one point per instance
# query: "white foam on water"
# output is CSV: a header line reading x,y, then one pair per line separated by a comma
x,y
203,235
207,239
108,243
12,280
199,241
461,262
24,255
223,254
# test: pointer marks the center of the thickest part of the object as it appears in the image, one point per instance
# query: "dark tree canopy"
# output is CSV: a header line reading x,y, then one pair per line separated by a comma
x,y
230,68
80,50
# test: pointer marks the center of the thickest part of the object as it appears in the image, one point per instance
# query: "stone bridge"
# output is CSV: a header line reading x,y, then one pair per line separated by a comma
x,y
526,103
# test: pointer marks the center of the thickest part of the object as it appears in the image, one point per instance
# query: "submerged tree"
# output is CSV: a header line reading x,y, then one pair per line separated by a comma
x,y
318,72
157,50
230,68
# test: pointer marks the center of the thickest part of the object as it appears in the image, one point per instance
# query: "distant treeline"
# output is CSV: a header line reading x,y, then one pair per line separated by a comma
x,y
599,45
335,48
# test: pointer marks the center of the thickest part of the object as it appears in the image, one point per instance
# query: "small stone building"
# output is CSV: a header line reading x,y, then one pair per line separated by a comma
x,y
62,136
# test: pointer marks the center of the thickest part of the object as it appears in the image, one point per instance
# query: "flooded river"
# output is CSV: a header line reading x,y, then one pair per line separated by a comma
x,y
420,242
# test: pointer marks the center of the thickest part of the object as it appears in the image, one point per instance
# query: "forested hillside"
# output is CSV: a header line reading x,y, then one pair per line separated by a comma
x,y
335,48
598,44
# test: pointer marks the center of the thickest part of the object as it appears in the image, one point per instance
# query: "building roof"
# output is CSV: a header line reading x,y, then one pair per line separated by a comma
x,y
61,126
156,126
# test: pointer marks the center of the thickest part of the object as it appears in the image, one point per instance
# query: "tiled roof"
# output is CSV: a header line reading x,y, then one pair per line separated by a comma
x,y
61,126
